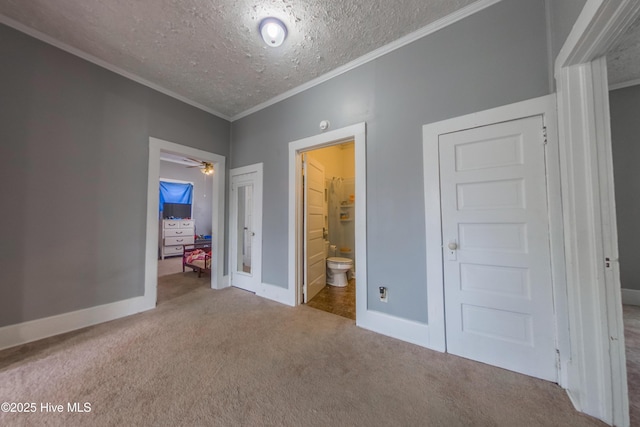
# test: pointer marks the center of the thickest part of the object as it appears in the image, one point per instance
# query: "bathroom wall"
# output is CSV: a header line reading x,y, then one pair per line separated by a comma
x,y
339,162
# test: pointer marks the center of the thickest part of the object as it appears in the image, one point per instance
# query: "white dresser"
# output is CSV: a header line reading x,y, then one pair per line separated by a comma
x,y
175,233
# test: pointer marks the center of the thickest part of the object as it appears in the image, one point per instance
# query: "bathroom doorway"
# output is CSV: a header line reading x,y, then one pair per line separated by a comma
x,y
341,153
328,200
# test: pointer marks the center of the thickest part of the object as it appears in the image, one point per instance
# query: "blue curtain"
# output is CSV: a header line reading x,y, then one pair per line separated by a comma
x,y
172,192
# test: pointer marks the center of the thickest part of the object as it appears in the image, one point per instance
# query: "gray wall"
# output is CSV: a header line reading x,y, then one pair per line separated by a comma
x,y
562,16
202,186
493,58
73,154
625,134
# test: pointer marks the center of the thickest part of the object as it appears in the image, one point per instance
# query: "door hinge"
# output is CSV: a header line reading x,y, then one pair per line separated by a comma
x,y
608,262
558,358
544,135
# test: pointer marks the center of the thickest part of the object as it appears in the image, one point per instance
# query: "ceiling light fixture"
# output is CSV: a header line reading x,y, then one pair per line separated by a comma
x,y
207,168
273,31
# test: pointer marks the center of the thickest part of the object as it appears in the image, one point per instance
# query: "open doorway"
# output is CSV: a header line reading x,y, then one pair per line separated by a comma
x,y
599,388
623,72
626,156
328,229
310,222
155,237
184,223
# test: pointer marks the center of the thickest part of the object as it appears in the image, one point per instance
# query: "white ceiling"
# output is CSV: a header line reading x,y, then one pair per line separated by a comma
x,y
623,60
209,53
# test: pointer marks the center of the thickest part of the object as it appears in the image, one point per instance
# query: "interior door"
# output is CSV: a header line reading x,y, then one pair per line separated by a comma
x,y
315,273
497,265
244,229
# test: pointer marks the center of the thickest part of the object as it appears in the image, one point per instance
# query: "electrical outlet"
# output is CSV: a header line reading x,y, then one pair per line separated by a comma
x,y
384,296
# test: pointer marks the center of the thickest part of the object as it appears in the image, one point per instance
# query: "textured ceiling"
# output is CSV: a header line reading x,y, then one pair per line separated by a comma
x,y
210,52
623,60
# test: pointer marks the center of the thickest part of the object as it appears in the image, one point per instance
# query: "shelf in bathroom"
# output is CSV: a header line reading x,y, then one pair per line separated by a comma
x,y
346,219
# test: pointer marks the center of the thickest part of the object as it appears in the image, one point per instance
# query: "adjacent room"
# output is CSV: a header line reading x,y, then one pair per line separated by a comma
x,y
184,221
319,213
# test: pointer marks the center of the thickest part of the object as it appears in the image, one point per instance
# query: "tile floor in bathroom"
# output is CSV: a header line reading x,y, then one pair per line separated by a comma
x,y
340,301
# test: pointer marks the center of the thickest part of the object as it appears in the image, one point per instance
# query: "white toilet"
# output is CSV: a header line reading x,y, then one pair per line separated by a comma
x,y
337,268
337,271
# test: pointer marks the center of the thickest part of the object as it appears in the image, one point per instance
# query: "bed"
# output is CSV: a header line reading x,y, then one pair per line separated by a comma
x,y
198,257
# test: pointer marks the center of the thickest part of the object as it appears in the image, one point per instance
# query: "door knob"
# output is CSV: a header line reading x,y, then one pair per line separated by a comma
x,y
453,246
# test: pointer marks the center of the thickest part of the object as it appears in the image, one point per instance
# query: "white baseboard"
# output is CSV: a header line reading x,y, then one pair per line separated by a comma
x,y
33,330
395,327
226,282
275,293
630,296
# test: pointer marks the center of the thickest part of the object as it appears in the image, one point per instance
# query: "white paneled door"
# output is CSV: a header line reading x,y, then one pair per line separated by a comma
x,y
315,271
496,254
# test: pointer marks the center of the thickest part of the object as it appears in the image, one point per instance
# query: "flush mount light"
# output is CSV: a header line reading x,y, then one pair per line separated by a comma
x,y
273,31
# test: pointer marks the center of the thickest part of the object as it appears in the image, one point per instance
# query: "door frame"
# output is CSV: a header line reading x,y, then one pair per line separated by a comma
x,y
256,249
356,133
218,207
597,376
545,107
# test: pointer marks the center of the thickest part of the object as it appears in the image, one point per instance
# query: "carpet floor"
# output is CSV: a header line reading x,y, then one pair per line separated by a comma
x,y
169,265
229,358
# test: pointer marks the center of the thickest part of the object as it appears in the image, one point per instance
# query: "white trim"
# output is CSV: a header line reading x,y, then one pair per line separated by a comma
x,y
544,106
395,327
615,330
623,85
431,28
217,214
276,293
33,330
176,181
630,296
589,380
99,62
256,252
597,373
357,133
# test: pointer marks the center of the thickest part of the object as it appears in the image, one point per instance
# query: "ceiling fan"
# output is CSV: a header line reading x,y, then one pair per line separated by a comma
x,y
205,167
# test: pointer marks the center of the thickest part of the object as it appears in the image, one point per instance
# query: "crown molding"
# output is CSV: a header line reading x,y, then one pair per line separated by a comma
x,y
397,44
99,62
622,85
